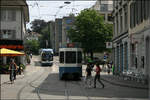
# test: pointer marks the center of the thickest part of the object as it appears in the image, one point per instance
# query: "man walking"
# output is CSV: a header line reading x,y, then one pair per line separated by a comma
x,y
97,76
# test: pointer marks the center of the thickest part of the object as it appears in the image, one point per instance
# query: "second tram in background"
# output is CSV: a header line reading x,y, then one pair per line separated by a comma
x,y
46,56
70,66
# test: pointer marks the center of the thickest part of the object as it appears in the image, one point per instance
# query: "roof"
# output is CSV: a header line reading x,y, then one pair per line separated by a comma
x,y
21,3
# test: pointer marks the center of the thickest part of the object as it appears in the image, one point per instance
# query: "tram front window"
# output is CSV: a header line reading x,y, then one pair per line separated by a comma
x,y
79,57
61,57
70,57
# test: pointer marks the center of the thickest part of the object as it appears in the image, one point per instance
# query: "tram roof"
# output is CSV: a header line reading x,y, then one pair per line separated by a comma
x,y
70,49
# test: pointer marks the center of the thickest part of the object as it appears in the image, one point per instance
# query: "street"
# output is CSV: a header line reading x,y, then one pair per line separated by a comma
x,y
42,82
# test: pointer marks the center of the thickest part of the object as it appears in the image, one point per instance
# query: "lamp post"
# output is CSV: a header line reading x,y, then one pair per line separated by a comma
x,y
55,36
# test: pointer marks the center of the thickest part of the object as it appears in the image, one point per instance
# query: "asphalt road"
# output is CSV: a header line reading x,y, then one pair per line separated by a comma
x,y
43,83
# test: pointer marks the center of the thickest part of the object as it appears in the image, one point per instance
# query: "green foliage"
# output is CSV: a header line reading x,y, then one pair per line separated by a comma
x,y
4,69
38,25
32,45
22,66
91,31
45,37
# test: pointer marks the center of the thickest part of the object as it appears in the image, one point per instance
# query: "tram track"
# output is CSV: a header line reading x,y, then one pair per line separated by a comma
x,y
81,86
30,84
66,91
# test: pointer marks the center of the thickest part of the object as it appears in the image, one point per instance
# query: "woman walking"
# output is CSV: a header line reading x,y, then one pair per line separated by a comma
x,y
97,76
12,68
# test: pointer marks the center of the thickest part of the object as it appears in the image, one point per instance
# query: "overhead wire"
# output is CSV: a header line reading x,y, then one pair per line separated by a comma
x,y
36,3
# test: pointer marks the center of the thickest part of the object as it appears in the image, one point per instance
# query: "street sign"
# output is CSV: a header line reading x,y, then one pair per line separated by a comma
x,y
108,44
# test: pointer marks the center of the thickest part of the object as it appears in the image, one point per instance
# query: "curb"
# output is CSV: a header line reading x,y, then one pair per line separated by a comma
x,y
122,85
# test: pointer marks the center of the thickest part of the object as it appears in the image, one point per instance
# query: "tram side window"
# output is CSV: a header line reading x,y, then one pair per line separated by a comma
x,y
79,57
61,57
70,57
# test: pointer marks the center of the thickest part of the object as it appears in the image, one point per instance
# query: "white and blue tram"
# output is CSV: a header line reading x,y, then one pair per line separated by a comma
x,y
70,63
46,56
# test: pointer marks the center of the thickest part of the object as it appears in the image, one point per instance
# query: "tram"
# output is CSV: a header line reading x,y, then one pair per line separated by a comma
x,y
70,63
46,56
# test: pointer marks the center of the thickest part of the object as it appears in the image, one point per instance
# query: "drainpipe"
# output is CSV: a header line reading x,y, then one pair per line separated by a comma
x,y
21,24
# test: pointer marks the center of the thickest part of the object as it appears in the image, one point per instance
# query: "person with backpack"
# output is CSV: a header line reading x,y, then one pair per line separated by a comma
x,y
97,76
12,68
19,69
88,75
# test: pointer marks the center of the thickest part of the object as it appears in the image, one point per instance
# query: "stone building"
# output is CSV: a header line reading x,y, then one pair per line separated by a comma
x,y
131,44
13,17
52,35
58,34
105,8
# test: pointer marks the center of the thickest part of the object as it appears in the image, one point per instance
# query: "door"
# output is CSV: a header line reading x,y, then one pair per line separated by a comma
x,y
147,55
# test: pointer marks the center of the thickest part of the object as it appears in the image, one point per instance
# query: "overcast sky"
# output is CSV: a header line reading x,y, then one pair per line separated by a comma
x,y
51,9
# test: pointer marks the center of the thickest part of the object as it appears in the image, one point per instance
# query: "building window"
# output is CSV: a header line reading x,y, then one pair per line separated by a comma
x,y
68,21
149,9
125,17
121,17
7,15
11,15
135,14
104,7
3,15
132,15
144,9
7,34
141,10
117,24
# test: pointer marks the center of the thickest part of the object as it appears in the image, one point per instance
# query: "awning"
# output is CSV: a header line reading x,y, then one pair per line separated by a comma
x,y
8,52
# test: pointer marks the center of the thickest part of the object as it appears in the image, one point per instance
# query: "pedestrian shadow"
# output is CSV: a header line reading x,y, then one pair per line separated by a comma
x,y
8,82
53,86
37,63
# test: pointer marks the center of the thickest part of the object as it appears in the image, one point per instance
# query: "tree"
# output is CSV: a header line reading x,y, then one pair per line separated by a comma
x,y
45,37
32,45
37,25
91,31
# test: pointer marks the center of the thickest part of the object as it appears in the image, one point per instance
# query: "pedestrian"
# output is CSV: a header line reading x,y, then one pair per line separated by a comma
x,y
31,55
108,68
97,76
19,69
12,68
28,59
113,69
88,75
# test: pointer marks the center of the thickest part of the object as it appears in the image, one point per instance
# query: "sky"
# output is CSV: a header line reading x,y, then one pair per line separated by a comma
x,y
48,10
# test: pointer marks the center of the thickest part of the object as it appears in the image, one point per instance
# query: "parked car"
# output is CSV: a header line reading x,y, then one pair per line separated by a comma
x,y
97,60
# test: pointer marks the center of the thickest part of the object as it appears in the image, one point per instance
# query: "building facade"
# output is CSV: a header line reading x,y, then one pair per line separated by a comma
x,y
131,36
59,28
67,23
52,35
58,34
13,17
105,8
32,36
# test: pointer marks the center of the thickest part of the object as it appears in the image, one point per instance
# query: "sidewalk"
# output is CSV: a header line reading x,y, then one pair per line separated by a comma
x,y
4,78
116,80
